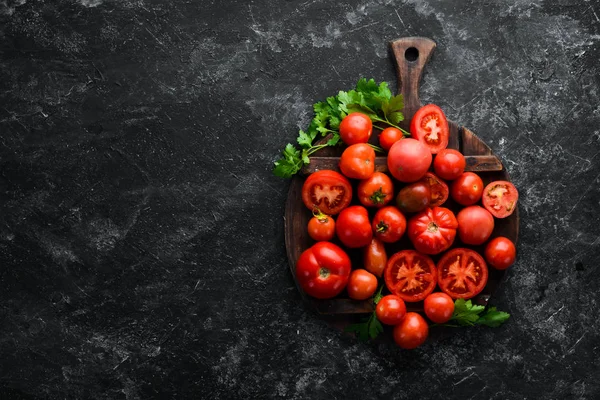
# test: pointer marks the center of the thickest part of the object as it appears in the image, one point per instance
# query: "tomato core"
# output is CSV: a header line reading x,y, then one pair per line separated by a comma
x,y
432,227
324,273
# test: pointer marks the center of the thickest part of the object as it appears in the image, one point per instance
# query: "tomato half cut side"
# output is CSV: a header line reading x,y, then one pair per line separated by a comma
x,y
462,273
327,190
438,189
430,126
410,275
500,198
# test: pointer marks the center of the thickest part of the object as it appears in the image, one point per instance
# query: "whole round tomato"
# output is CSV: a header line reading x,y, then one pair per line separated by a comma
x,y
355,128
430,126
500,252
410,275
327,190
414,197
375,191
390,310
475,225
411,332
389,136
408,160
500,198
375,257
432,230
389,224
462,273
322,270
358,161
321,226
437,188
353,227
438,307
361,284
449,164
466,190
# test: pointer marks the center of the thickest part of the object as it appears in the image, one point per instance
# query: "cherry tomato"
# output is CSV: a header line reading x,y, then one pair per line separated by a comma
x,y
414,197
353,227
449,164
437,188
322,270
321,226
361,284
438,307
408,160
466,190
389,224
376,191
410,275
475,225
432,230
430,126
500,198
358,161
462,273
390,310
389,136
327,190
411,332
500,252
375,257
355,128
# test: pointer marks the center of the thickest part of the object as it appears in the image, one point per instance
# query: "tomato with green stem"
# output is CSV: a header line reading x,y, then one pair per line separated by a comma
x,y
432,230
376,191
321,226
323,270
389,224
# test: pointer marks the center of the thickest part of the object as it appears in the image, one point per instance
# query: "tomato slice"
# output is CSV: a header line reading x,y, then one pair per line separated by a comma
x,y
430,126
438,189
500,198
462,273
410,275
327,190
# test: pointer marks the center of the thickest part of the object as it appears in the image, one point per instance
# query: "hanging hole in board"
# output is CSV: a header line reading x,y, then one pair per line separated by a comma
x,y
411,54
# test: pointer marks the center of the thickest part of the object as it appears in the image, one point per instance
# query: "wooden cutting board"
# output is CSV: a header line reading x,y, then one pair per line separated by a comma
x,y
411,55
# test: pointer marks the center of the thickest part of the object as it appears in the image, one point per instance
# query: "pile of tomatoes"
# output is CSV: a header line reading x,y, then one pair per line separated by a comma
x,y
361,210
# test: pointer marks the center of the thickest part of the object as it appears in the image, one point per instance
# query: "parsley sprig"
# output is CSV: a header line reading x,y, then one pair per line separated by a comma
x,y
468,314
368,328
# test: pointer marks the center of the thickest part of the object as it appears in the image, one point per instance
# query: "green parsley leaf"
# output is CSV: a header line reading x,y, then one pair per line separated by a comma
x,y
290,162
492,318
468,314
304,139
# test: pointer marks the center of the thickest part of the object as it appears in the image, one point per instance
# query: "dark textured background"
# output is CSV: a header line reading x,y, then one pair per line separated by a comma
x,y
141,230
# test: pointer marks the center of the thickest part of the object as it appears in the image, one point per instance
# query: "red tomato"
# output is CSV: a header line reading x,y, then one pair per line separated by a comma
x,y
390,310
449,164
410,275
355,128
353,227
500,253
408,160
411,332
437,188
433,230
414,197
389,224
322,270
389,136
438,307
500,198
361,285
375,257
376,191
475,225
466,190
462,273
327,190
321,226
358,161
430,126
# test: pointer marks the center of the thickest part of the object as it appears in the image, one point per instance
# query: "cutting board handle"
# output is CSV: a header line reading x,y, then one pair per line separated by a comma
x,y
411,55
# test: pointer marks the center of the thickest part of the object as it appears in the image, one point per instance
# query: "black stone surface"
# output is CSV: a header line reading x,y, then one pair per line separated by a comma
x,y
141,230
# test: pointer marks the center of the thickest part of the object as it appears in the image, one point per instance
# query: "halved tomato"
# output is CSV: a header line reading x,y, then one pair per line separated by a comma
x,y
500,198
437,188
430,126
462,273
327,190
410,275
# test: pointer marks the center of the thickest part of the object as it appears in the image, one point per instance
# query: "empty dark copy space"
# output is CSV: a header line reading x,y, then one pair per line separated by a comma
x,y
142,249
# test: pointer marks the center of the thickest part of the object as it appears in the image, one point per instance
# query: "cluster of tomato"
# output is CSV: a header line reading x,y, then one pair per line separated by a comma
x,y
410,274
